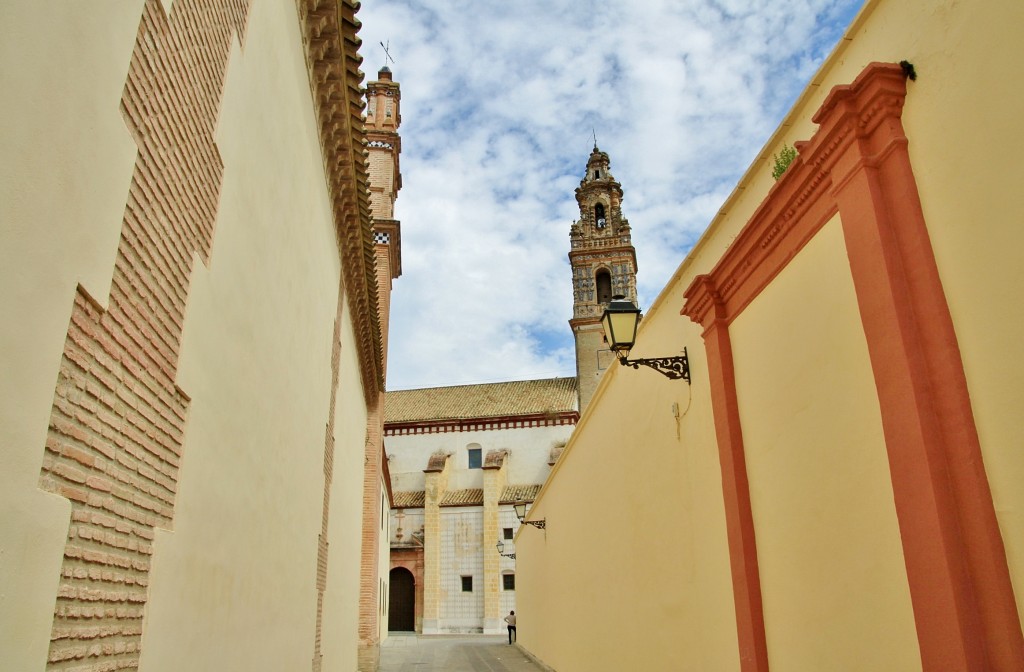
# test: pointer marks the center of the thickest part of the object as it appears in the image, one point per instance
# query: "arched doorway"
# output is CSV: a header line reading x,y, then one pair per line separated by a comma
x,y
402,611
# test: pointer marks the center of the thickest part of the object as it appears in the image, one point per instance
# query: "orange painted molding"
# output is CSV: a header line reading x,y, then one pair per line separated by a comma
x,y
857,165
739,521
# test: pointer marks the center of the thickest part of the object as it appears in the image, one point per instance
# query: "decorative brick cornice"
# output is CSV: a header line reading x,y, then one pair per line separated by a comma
x,y
481,424
329,36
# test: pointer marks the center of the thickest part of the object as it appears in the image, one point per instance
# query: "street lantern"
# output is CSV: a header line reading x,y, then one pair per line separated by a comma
x,y
620,322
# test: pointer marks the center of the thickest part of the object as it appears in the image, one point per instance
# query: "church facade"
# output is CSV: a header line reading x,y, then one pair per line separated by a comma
x,y
461,457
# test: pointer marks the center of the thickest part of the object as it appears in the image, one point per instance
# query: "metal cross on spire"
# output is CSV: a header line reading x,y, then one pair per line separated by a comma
x,y
594,131
387,53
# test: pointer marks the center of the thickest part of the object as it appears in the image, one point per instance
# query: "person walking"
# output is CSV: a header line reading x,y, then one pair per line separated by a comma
x,y
511,620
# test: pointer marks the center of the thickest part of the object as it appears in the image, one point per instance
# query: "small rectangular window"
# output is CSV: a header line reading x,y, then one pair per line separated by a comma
x,y
474,458
508,581
506,532
467,584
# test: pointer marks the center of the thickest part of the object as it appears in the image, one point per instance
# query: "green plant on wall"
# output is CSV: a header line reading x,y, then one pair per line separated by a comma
x,y
782,161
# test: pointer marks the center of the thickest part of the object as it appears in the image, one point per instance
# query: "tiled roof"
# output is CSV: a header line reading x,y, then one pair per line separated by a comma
x,y
469,497
520,397
518,493
409,499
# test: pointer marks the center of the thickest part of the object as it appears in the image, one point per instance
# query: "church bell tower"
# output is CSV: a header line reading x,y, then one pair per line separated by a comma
x,y
603,263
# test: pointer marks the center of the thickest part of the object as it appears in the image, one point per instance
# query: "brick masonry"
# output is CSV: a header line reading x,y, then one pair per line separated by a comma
x,y
384,146
117,425
322,543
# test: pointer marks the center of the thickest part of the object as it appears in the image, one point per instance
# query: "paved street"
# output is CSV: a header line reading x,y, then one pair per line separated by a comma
x,y
459,653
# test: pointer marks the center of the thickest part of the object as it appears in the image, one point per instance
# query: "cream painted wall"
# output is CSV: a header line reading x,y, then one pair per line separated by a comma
x,y
233,585
820,488
341,600
632,572
67,163
962,119
964,125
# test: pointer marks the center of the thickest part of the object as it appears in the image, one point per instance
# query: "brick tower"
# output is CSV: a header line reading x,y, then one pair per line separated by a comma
x,y
383,145
603,265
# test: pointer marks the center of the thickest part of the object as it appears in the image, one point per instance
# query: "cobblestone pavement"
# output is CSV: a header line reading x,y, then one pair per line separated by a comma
x,y
402,652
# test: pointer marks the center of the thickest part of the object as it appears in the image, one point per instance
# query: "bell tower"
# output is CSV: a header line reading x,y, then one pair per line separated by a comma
x,y
383,146
603,263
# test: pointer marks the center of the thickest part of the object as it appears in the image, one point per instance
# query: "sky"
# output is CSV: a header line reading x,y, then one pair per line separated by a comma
x,y
501,102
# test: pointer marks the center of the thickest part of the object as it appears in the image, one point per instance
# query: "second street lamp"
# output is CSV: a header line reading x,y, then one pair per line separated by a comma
x,y
501,547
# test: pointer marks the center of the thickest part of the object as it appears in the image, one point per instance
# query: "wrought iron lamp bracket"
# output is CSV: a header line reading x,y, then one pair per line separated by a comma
x,y
539,524
670,367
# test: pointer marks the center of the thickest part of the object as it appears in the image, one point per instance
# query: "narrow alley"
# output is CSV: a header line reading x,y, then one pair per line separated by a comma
x,y
408,652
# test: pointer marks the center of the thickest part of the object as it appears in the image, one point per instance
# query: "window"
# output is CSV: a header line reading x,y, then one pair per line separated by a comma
x,y
604,286
597,174
474,458
508,581
506,532
467,584
599,215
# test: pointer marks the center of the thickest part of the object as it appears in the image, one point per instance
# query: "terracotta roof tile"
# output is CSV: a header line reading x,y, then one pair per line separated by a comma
x,y
410,499
519,493
469,497
521,397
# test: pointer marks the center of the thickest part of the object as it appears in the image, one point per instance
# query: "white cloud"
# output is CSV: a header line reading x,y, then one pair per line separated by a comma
x,y
499,103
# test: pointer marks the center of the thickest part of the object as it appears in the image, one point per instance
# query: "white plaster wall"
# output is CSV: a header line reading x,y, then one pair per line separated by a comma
x,y
410,522
461,555
66,160
507,518
529,449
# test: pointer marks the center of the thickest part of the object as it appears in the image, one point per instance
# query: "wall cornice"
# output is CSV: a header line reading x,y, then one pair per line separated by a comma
x,y
329,37
481,424
799,204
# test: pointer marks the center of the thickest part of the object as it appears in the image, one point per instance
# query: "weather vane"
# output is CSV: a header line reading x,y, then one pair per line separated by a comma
x,y
387,54
594,131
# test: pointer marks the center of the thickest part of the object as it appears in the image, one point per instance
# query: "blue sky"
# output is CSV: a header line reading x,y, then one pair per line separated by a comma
x,y
500,101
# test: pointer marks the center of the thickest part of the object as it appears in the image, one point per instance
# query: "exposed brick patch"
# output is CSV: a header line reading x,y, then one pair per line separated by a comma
x,y
368,655
117,425
322,543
